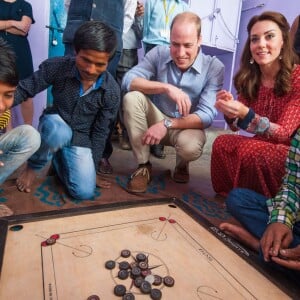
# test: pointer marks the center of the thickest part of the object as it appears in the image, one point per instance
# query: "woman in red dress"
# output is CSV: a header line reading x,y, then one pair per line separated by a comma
x,y
268,107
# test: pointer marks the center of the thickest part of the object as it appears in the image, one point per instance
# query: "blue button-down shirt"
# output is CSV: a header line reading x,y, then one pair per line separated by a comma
x,y
201,81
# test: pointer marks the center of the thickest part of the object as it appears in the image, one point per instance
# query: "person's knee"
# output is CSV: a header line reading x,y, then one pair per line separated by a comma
x,y
31,138
54,131
188,153
234,199
131,101
81,192
189,149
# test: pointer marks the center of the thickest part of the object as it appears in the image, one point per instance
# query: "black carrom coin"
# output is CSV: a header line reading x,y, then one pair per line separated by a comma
x,y
141,257
155,294
123,274
143,265
157,280
136,271
138,281
145,287
124,265
128,296
125,253
169,281
110,264
120,290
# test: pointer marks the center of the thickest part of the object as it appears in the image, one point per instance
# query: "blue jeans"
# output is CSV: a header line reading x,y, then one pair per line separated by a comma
x,y
17,146
74,165
250,209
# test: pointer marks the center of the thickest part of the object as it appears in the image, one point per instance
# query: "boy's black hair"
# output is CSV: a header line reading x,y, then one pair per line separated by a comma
x,y
95,35
8,68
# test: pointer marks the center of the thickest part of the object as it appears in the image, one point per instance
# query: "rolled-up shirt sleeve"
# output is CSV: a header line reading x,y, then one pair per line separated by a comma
x,y
200,82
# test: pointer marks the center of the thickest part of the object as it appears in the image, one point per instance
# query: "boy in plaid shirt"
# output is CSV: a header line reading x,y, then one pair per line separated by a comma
x,y
271,226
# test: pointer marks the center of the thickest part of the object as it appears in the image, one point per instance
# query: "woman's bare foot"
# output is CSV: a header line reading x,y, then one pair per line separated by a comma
x,y
25,180
241,234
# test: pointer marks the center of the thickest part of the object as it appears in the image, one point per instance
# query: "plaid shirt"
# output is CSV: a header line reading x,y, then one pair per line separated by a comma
x,y
285,206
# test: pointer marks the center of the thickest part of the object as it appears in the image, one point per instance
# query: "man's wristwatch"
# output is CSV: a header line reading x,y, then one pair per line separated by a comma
x,y
168,123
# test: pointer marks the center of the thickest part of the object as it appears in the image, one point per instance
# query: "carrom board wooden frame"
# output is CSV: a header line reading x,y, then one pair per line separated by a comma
x,y
205,262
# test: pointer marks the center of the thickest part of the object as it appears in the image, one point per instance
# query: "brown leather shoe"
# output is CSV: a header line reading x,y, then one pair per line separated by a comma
x,y
104,167
181,174
139,180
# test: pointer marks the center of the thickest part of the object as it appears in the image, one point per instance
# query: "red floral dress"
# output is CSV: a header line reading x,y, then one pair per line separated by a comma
x,y
257,162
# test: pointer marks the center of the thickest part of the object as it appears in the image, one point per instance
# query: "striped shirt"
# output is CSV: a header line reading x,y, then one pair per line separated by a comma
x,y
285,206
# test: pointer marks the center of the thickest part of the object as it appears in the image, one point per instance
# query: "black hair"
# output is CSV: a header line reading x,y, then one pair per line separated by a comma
x,y
8,68
95,35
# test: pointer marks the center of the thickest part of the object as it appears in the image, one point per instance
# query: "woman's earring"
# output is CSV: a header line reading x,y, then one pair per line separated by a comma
x,y
251,61
280,57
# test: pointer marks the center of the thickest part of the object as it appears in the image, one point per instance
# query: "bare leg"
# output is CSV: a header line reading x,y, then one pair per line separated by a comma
x,y
241,234
25,180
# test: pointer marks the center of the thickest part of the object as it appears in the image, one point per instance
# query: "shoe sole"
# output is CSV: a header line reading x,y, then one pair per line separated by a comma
x,y
135,191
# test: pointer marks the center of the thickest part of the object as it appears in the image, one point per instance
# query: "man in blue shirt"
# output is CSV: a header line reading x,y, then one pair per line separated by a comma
x,y
183,83
158,18
86,100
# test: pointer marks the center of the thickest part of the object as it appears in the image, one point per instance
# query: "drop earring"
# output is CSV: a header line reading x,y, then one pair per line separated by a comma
x,y
251,61
280,57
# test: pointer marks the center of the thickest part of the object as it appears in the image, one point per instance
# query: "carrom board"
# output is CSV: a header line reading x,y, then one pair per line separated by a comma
x,y
176,240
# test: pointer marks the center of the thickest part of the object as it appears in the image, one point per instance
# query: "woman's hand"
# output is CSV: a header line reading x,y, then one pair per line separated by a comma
x,y
229,107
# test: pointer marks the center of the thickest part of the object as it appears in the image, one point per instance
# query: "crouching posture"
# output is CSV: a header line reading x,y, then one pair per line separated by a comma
x,y
170,100
18,144
85,104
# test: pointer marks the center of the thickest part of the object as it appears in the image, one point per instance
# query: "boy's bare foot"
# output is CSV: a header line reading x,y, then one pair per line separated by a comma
x,y
25,180
241,234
